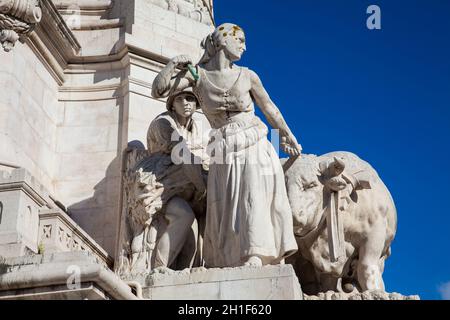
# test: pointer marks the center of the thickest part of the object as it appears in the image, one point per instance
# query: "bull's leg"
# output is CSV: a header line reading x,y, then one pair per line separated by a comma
x,y
368,270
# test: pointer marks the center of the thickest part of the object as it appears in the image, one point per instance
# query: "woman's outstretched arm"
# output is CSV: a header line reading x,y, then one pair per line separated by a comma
x,y
274,117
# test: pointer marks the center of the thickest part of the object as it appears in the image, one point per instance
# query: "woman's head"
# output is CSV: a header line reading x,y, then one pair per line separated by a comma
x,y
227,37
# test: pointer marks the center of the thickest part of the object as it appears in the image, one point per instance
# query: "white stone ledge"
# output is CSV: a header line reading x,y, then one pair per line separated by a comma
x,y
85,291
52,270
94,24
277,282
21,179
92,93
84,4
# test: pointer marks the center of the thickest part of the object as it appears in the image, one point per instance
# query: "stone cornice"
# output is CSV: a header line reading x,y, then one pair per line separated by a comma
x,y
90,15
84,5
20,179
53,42
53,21
47,270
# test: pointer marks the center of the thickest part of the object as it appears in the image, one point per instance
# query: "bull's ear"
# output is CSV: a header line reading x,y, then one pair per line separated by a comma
x,y
321,171
323,166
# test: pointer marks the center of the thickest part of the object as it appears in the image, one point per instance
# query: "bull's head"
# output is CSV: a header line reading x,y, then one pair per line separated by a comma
x,y
306,179
330,174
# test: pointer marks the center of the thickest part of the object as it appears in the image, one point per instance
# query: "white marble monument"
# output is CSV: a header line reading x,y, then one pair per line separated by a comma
x,y
132,166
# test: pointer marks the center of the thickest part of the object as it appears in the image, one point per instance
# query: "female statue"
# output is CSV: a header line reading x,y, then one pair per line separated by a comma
x,y
248,219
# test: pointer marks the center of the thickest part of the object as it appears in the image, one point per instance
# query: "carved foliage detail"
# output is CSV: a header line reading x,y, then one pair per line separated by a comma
x,y
17,19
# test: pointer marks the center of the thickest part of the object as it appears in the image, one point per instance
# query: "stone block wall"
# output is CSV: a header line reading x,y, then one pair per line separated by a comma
x,y
78,92
29,115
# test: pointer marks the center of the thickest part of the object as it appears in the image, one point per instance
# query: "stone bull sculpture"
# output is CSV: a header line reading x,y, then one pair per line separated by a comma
x,y
344,222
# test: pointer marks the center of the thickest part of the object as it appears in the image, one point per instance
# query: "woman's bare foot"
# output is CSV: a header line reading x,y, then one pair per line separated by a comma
x,y
253,261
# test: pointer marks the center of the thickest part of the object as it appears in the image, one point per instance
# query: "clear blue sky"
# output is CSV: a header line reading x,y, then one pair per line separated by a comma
x,y
382,94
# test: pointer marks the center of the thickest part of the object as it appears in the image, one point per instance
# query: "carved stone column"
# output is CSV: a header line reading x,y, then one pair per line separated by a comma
x,y
17,19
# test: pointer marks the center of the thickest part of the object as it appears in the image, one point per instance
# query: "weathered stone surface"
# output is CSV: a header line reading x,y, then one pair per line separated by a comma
x,y
31,222
79,91
59,233
242,283
70,275
21,198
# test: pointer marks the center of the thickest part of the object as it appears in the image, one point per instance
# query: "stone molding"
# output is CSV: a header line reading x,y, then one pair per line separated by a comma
x,y
53,42
59,233
18,18
84,14
22,197
84,5
47,276
124,59
21,180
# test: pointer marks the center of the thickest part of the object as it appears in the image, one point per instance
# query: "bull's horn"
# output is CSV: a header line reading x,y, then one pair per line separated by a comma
x,y
332,168
339,165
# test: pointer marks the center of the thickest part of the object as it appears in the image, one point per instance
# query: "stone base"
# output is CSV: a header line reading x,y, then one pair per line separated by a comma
x,y
62,276
86,291
243,283
367,295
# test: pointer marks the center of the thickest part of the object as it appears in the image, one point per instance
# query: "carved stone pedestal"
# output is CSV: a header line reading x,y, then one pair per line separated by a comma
x,y
244,283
